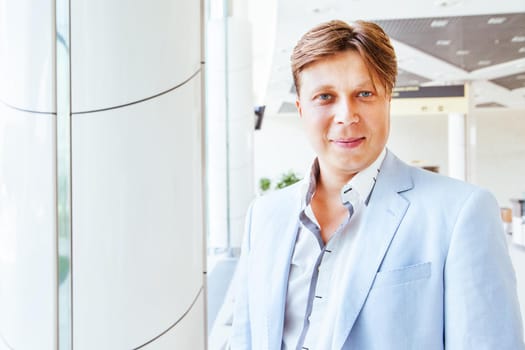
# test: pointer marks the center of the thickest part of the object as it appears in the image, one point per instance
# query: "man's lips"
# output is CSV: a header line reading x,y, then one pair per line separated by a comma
x,y
348,142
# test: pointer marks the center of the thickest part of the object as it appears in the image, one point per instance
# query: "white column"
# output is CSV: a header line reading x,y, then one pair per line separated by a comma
x,y
230,130
457,146
137,175
471,148
137,168
28,254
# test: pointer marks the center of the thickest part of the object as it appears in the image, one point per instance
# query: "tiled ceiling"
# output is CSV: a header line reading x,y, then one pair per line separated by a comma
x,y
489,105
480,43
468,42
405,78
511,82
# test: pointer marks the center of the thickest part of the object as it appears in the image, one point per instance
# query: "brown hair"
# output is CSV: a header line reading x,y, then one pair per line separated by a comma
x,y
329,38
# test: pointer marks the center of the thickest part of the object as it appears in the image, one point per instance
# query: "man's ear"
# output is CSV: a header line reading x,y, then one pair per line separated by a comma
x,y
299,109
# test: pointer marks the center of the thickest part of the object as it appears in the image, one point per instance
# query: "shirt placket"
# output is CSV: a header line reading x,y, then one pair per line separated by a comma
x,y
321,293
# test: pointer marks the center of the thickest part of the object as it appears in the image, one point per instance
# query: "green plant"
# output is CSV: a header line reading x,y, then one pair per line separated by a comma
x,y
287,179
265,184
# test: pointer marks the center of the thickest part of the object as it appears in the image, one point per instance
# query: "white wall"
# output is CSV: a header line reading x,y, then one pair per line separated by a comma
x,y
501,152
281,146
28,240
420,140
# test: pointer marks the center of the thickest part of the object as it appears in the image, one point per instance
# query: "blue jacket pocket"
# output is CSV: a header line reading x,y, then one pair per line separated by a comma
x,y
402,275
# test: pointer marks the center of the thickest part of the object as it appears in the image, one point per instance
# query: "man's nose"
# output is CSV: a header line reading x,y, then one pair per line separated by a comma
x,y
346,113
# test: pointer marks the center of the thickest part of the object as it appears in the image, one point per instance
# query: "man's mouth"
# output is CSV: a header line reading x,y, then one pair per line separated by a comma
x,y
349,142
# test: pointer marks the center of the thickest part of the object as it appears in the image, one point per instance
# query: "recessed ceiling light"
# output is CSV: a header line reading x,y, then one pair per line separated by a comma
x,y
462,52
446,3
484,62
518,39
521,50
443,42
496,20
322,9
437,23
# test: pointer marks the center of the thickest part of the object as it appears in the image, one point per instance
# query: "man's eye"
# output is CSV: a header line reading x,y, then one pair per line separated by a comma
x,y
365,94
324,97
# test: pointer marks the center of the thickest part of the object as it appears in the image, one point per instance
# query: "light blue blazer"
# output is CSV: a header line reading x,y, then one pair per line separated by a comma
x,y
432,269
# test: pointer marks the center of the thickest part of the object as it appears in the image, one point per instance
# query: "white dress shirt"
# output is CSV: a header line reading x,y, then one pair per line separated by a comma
x,y
314,265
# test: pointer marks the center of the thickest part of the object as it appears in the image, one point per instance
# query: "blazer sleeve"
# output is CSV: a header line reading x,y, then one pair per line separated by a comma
x,y
240,338
480,296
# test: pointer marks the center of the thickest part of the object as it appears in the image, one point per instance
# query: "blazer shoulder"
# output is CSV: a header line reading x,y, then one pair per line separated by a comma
x,y
279,200
272,212
402,177
447,195
423,185
443,182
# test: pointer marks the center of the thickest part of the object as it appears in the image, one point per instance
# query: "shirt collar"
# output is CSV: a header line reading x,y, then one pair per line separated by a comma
x,y
361,185
359,188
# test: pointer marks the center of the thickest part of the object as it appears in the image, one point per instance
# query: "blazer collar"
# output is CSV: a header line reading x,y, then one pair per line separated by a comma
x,y
383,216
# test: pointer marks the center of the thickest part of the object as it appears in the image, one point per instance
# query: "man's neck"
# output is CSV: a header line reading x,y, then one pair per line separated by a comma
x,y
331,184
326,203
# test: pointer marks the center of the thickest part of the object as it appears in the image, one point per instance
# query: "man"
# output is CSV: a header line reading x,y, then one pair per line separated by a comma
x,y
368,252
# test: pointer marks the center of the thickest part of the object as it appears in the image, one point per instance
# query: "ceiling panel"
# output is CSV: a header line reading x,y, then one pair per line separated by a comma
x,y
405,78
489,105
511,82
468,42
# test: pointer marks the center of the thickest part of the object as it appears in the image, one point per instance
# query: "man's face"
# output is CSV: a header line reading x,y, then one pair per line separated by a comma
x,y
347,119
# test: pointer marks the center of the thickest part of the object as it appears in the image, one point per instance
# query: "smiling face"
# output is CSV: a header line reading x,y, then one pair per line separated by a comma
x,y
345,112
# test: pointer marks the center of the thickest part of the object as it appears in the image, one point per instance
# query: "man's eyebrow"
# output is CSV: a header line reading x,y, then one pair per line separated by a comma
x,y
363,84
366,83
323,87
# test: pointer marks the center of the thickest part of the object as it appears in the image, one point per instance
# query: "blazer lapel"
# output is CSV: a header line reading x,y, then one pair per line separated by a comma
x,y
278,282
273,285
382,218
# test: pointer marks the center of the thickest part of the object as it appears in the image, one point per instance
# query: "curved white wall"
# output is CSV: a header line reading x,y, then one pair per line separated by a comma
x,y
28,287
27,230
137,168
27,54
136,173
137,223
124,52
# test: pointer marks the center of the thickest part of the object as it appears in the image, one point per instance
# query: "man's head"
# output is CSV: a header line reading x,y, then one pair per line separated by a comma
x,y
344,77
332,37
